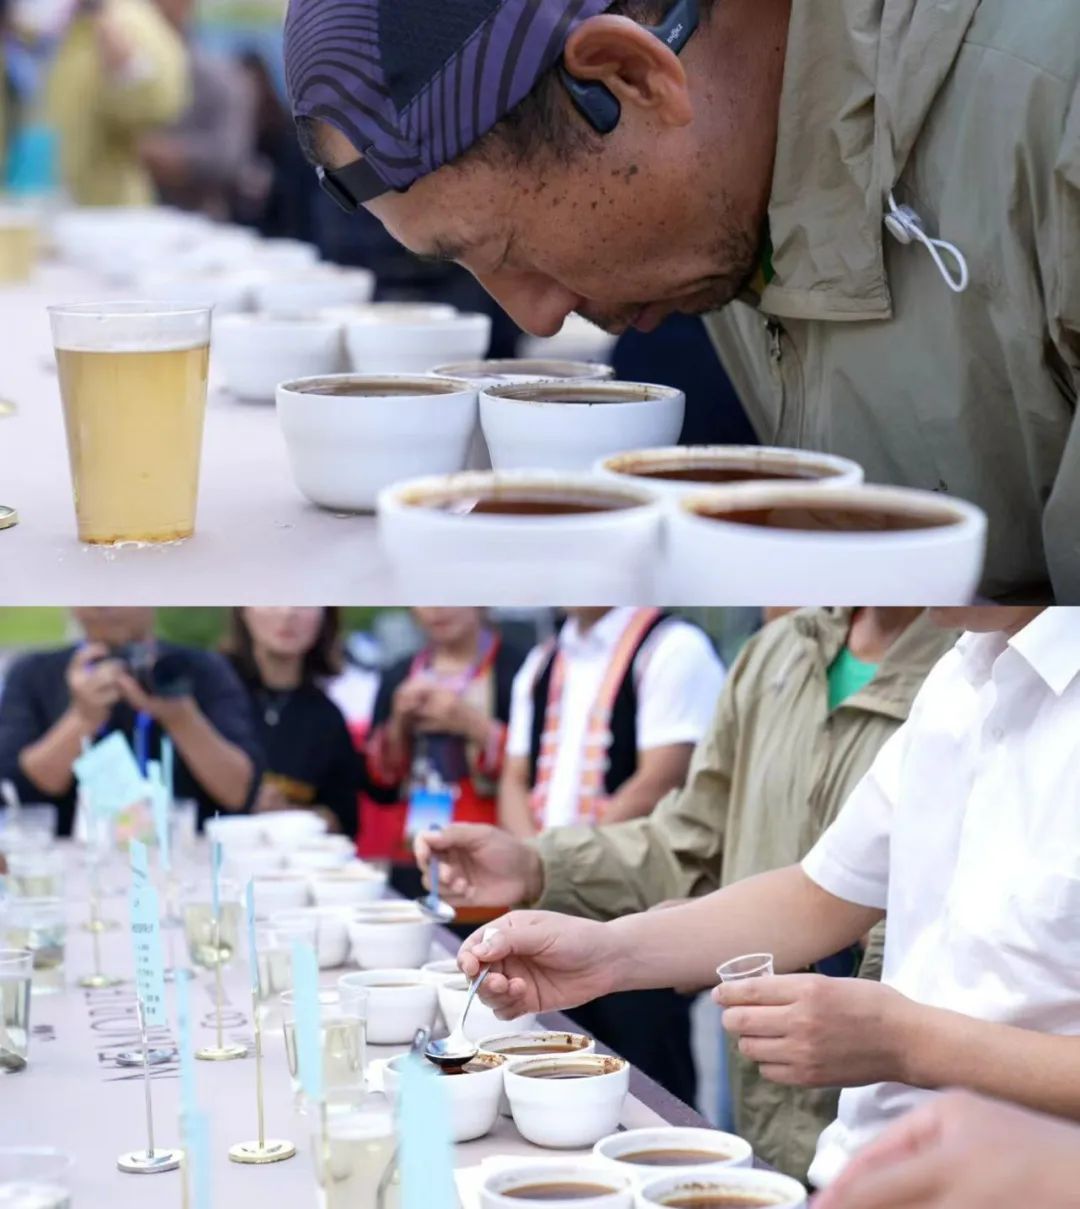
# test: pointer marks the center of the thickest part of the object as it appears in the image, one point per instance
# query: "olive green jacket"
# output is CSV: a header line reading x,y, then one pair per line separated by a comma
x,y
763,785
970,111
100,119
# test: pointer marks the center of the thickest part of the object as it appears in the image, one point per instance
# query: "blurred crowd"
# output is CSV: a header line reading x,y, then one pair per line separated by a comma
x,y
122,102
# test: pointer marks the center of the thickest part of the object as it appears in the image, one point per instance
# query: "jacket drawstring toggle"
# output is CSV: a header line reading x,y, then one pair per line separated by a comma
x,y
906,227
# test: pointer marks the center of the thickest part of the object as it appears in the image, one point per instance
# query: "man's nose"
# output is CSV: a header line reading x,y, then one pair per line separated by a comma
x,y
537,304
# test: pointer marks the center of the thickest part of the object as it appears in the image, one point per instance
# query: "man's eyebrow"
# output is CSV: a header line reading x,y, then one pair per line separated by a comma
x,y
442,252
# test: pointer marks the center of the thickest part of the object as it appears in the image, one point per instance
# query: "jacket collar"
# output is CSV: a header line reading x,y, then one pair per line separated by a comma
x,y
901,672
860,78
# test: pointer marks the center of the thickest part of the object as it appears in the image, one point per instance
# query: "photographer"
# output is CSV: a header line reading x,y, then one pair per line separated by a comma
x,y
120,678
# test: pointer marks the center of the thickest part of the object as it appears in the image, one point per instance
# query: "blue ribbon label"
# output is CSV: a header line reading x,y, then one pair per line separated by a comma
x,y
305,969
187,1053
140,862
146,942
215,877
159,802
253,952
168,762
196,1131
425,1139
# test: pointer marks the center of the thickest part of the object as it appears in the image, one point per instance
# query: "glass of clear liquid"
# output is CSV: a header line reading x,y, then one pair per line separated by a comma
x,y
16,972
342,1041
36,873
353,1145
273,951
38,924
210,946
34,1177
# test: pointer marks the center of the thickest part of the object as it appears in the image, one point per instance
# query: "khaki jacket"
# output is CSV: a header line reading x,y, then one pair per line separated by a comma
x,y
763,785
100,119
970,111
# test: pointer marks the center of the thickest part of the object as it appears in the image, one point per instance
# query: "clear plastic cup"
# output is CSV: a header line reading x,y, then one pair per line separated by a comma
x,y
35,873
353,1148
273,951
133,378
34,1177
16,975
342,1034
753,965
38,924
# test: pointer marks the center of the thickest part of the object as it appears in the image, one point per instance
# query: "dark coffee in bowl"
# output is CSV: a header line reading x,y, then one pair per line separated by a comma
x,y
378,389
673,1157
831,518
505,504
722,474
551,1047
565,1070
475,1067
558,1191
734,1199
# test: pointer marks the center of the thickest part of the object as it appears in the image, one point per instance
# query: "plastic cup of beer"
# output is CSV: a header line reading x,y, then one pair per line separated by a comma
x,y
133,384
753,965
18,245
38,924
16,971
37,1177
353,1155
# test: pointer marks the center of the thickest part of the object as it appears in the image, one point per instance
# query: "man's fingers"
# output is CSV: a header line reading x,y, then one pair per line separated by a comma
x,y
756,1021
769,1051
753,992
915,1134
914,1184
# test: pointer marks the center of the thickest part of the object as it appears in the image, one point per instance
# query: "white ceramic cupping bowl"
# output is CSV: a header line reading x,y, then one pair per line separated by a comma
x,y
511,1045
497,1187
399,1003
332,932
439,556
567,1113
770,1187
741,563
818,469
279,892
385,338
351,885
533,426
254,353
474,1097
521,370
304,293
385,940
346,448
732,1151
482,1021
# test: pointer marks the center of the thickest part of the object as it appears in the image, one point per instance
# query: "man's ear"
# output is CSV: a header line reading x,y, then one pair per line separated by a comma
x,y
636,67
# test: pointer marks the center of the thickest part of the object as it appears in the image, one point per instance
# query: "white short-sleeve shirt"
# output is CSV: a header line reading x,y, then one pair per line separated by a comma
x,y
679,678
966,830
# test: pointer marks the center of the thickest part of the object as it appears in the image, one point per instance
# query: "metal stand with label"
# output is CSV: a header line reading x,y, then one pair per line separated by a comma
x,y
220,1052
152,1160
95,926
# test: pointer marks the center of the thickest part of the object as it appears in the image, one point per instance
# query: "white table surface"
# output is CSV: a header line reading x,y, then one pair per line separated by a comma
x,y
257,540
74,1097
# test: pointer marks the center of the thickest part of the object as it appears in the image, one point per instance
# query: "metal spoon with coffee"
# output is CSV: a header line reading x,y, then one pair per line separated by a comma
x,y
456,1051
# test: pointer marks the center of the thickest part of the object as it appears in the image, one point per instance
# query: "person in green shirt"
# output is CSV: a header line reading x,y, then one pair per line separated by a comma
x,y
809,703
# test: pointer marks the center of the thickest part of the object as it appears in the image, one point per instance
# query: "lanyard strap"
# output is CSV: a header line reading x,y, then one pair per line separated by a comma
x,y
458,683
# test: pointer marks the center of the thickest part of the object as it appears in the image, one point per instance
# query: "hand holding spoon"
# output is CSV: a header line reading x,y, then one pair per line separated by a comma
x,y
457,1050
431,902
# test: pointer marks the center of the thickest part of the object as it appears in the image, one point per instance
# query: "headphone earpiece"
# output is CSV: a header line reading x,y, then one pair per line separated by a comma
x,y
595,102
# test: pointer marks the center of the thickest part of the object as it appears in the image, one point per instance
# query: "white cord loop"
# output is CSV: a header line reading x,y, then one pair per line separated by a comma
x,y
905,226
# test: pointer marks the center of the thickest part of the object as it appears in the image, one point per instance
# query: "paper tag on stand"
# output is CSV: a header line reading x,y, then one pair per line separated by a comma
x,y
425,1139
168,767
184,1044
253,952
159,805
305,970
146,940
110,775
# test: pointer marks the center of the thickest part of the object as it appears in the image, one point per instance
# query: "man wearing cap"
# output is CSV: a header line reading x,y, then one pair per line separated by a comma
x,y
876,204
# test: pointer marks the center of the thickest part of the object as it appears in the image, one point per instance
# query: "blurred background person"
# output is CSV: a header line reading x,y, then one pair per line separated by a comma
x,y
438,735
603,723
120,71
197,161
53,701
283,656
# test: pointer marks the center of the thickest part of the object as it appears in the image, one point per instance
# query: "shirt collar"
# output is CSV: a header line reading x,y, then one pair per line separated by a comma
x,y
603,636
1050,645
